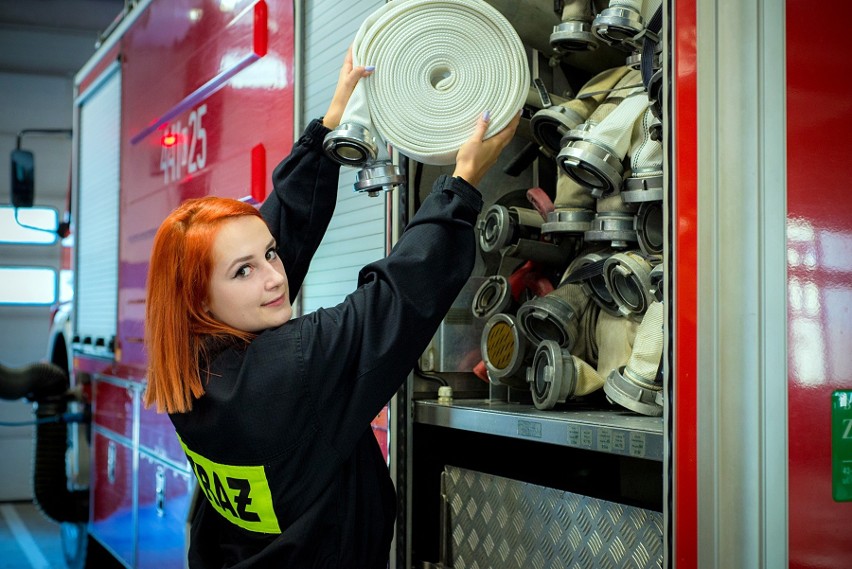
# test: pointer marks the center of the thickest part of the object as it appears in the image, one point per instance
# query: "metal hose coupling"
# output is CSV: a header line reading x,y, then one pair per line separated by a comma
x,y
593,153
649,228
555,119
619,23
636,385
574,33
516,232
493,297
555,316
500,294
378,175
628,279
556,376
353,144
350,144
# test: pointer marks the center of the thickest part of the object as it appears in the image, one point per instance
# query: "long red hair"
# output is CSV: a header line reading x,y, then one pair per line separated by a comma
x,y
177,328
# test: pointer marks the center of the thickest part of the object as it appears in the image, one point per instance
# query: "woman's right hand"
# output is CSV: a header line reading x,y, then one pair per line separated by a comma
x,y
346,81
476,156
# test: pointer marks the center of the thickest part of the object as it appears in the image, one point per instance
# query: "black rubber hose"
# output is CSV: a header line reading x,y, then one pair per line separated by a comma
x,y
50,483
35,381
47,384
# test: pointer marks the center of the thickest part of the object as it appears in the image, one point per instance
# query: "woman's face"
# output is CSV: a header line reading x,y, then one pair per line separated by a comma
x,y
248,286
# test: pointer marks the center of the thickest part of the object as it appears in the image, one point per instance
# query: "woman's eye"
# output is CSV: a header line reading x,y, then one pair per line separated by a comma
x,y
271,255
243,271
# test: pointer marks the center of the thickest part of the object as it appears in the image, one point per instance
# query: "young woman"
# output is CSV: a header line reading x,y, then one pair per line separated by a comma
x,y
274,413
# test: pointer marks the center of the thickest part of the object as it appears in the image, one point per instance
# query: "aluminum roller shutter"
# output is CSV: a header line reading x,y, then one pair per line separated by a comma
x,y
356,234
96,238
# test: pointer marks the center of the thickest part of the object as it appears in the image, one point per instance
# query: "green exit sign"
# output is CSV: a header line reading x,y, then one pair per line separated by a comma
x,y
841,446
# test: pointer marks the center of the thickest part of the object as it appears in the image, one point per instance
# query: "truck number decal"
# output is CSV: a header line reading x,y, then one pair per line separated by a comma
x,y
184,148
239,493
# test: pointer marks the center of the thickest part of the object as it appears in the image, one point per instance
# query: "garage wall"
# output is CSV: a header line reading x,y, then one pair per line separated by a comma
x,y
40,50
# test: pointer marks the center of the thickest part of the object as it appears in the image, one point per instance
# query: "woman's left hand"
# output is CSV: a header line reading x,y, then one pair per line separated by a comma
x,y
349,77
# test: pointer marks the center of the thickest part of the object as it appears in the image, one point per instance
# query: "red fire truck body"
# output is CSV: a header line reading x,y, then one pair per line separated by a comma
x,y
754,469
206,106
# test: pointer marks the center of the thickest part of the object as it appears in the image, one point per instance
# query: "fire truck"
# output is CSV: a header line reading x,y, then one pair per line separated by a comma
x,y
733,453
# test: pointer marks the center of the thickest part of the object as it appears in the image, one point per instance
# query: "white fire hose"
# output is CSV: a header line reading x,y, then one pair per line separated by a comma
x,y
646,161
636,385
593,153
439,65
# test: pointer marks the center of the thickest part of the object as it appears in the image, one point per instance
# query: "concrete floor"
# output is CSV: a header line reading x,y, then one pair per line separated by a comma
x,y
28,539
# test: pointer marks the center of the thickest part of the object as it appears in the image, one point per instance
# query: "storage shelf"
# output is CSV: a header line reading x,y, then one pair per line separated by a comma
x,y
613,432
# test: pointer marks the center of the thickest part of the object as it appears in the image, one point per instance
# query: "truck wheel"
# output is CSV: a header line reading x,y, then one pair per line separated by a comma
x,y
82,551
74,544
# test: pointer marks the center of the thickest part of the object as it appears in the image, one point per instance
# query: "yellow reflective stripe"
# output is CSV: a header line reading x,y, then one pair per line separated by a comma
x,y
240,493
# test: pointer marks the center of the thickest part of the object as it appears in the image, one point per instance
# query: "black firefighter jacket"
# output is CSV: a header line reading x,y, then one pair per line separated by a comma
x,y
281,442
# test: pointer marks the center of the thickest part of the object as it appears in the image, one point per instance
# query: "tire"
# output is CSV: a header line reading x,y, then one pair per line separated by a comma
x,y
82,551
74,539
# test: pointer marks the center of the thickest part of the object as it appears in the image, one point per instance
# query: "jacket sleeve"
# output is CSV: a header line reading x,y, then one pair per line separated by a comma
x,y
302,202
359,353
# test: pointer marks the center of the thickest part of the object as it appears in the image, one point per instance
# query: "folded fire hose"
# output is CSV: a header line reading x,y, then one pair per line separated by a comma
x,y
439,65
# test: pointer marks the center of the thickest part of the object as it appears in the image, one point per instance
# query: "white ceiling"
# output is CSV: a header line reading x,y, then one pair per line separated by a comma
x,y
52,37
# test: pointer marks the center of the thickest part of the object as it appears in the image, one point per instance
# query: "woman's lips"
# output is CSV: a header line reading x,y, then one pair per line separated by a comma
x,y
277,302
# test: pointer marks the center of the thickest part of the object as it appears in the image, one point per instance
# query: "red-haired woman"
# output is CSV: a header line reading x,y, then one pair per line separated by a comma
x,y
274,413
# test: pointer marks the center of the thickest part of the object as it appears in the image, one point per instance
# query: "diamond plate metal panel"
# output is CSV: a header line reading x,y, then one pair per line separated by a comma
x,y
496,522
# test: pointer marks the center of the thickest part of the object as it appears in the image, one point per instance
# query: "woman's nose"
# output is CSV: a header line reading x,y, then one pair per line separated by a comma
x,y
274,278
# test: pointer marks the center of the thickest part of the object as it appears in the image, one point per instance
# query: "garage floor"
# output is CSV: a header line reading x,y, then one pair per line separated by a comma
x,y
28,539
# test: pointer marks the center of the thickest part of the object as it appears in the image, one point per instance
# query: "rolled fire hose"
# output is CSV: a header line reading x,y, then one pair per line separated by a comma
x,y
556,376
552,122
619,23
593,155
646,162
574,33
636,385
439,65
